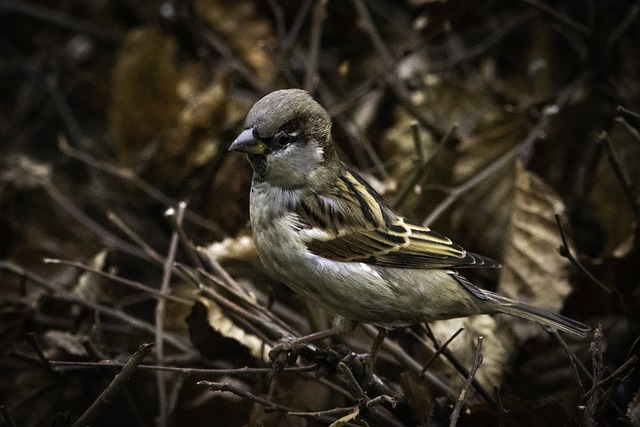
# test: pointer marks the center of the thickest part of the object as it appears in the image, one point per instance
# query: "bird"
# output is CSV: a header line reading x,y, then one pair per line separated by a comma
x,y
322,230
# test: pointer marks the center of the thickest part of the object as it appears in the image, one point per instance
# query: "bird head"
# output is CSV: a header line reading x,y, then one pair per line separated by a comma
x,y
287,138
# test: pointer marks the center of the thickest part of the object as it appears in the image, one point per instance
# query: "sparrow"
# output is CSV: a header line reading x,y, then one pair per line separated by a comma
x,y
323,231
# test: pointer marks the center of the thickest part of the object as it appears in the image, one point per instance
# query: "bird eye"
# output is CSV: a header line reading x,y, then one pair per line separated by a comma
x,y
285,139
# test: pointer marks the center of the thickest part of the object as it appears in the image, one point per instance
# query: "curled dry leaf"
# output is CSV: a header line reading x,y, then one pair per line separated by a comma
x,y
65,341
238,248
91,286
633,410
533,270
230,333
496,346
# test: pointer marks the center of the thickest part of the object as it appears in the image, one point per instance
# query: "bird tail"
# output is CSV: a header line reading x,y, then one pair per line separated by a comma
x,y
538,315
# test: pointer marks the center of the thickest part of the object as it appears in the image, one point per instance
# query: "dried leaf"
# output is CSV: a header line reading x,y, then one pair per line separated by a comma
x,y
91,286
633,410
239,248
533,270
66,341
343,421
145,100
215,335
497,348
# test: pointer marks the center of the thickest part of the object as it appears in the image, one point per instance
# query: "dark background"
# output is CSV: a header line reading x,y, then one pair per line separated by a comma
x,y
481,119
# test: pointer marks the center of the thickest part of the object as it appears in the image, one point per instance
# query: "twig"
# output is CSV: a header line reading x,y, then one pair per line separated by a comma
x,y
421,168
629,365
520,150
628,19
312,77
131,177
52,16
373,33
457,365
629,128
269,406
477,361
68,296
502,412
623,180
146,249
410,363
628,114
221,46
567,253
31,339
60,365
114,387
44,180
165,289
131,283
573,360
441,348
558,16
239,292
261,325
356,389
294,31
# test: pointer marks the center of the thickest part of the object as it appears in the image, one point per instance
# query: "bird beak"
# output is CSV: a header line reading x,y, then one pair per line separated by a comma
x,y
247,143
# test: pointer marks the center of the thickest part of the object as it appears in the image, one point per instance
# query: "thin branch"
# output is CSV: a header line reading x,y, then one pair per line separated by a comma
x,y
628,19
146,249
68,296
31,339
89,416
312,77
294,31
567,253
422,165
373,33
629,365
573,360
269,406
563,19
52,16
61,365
477,361
521,150
441,348
165,289
410,363
128,175
118,279
221,46
458,366
623,180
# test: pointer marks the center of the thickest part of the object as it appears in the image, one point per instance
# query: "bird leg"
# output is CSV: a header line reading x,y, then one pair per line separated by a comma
x,y
286,351
371,357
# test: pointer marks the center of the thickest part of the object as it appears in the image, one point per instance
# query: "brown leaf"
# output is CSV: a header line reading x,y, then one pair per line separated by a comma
x,y
533,269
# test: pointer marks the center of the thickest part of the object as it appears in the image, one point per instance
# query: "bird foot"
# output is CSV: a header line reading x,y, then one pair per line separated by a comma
x,y
286,351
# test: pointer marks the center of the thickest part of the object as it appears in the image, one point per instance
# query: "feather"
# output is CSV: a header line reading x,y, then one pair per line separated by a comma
x,y
358,227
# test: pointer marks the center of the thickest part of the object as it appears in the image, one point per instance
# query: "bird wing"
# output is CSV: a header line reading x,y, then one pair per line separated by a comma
x,y
353,224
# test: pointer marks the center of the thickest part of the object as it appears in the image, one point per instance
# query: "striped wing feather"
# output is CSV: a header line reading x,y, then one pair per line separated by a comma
x,y
402,245
356,226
